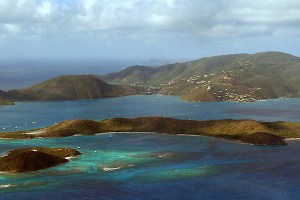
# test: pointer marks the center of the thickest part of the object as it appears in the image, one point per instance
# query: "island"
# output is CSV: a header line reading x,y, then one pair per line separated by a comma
x,y
35,158
247,131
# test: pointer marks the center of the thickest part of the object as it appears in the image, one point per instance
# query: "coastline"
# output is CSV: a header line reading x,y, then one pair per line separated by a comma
x,y
247,131
125,132
158,94
292,139
235,141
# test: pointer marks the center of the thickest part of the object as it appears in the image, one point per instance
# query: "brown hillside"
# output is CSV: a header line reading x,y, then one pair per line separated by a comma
x,y
231,129
32,159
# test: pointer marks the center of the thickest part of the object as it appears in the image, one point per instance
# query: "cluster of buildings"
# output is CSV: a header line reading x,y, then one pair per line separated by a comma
x,y
218,84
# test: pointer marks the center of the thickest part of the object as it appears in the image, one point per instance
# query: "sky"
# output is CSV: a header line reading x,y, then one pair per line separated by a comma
x,y
143,31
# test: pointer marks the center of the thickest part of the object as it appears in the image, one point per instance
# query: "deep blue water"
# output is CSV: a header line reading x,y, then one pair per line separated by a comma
x,y
47,113
150,165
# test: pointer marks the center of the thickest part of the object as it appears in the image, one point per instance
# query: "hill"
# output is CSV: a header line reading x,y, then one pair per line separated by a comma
x,y
4,99
32,159
248,131
74,87
238,77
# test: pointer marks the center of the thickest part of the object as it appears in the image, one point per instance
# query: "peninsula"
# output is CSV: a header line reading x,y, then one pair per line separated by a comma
x,y
71,87
247,131
233,77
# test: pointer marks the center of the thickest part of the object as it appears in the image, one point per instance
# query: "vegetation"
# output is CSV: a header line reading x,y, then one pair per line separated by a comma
x,y
61,152
260,138
4,99
74,87
32,159
229,129
240,77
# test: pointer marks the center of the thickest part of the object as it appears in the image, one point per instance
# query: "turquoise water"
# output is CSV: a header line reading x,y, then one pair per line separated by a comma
x,y
150,165
153,166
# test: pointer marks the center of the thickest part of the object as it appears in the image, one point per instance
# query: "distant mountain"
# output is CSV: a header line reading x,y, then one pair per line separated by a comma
x,y
73,87
237,77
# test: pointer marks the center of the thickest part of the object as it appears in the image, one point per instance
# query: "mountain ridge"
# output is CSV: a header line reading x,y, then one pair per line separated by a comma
x,y
233,77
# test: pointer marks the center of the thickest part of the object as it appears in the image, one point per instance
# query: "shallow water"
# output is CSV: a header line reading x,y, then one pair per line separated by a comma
x,y
150,165
155,166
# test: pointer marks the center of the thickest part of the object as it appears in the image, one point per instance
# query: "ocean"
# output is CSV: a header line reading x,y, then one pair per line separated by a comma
x,y
152,165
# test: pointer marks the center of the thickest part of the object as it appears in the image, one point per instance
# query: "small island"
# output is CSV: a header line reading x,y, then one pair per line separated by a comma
x,y
246,131
36,158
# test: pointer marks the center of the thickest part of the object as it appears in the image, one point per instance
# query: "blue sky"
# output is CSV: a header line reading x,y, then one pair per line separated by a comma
x,y
143,30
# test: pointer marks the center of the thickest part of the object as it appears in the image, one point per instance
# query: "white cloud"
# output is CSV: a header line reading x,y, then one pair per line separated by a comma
x,y
109,20
12,28
44,9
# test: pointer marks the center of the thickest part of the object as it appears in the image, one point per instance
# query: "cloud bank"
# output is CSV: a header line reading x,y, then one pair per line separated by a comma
x,y
31,25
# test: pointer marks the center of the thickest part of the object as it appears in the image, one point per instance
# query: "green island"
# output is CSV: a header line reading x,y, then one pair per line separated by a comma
x,y
246,131
35,158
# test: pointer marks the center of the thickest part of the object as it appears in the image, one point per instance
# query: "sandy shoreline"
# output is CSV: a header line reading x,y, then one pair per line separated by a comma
x,y
36,132
292,138
107,133
191,135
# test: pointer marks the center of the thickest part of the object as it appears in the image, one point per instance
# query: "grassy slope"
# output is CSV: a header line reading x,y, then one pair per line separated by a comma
x,y
72,88
275,73
232,129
